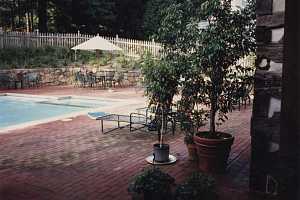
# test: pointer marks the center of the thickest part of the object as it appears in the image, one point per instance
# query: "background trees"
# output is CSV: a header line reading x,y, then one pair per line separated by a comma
x,y
109,17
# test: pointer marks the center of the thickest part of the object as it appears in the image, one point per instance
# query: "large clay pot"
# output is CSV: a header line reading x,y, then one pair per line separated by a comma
x,y
213,153
192,150
161,152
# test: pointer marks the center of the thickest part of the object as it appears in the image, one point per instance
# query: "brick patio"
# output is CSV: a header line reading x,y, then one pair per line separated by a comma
x,y
72,160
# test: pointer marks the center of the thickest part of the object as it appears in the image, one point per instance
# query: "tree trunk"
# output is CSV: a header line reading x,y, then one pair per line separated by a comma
x,y
27,22
213,107
31,10
212,124
19,13
42,15
12,18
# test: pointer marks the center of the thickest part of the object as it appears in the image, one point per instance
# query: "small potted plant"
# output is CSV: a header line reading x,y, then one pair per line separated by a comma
x,y
160,87
151,184
191,147
190,120
197,187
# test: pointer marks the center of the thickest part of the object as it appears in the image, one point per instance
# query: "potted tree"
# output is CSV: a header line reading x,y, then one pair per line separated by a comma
x,y
160,87
206,44
226,39
151,184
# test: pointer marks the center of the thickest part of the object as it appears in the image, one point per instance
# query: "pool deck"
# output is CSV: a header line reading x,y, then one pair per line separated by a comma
x,y
72,160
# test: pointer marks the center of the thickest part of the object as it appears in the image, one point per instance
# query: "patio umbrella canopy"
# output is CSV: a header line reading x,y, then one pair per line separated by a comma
x,y
97,43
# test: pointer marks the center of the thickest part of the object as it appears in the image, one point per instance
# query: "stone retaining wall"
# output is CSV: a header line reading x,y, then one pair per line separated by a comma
x,y
49,76
66,76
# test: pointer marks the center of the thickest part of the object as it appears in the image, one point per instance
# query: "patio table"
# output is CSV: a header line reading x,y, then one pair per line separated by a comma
x,y
100,78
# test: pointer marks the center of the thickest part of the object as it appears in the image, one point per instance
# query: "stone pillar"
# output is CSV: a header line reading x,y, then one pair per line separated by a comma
x,y
265,123
290,113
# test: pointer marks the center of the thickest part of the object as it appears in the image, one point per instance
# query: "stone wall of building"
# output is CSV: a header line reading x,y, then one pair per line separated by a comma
x,y
265,126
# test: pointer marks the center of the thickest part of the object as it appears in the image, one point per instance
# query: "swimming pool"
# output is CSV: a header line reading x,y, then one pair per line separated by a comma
x,y
16,110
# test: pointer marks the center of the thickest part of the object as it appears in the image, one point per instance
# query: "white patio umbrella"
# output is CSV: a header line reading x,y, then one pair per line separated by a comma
x,y
96,43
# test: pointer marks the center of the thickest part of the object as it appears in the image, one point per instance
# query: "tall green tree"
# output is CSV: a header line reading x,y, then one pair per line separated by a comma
x,y
204,39
43,15
60,16
129,22
153,15
109,17
93,16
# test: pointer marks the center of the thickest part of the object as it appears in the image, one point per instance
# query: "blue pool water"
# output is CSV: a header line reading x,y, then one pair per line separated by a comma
x,y
18,110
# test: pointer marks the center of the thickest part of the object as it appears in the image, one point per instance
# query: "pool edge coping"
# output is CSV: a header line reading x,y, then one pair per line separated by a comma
x,y
105,109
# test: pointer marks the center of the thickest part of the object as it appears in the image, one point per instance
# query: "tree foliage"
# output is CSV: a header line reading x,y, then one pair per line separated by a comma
x,y
205,59
153,15
160,81
123,17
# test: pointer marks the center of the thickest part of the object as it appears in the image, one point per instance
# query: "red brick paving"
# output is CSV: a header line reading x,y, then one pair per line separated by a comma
x,y
72,160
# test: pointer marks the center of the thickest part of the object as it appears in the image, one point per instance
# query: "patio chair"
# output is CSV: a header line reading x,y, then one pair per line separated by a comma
x,y
242,94
128,120
90,79
80,79
32,79
5,80
135,121
100,78
153,123
77,79
118,78
19,79
109,78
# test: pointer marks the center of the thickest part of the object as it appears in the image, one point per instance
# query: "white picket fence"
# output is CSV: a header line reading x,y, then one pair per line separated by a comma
x,y
132,48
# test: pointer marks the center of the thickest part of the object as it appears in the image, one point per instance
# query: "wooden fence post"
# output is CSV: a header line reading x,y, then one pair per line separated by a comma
x,y
117,40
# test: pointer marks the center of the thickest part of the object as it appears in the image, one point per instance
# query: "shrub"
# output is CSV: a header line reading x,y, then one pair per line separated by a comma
x,y
151,184
197,187
11,58
35,57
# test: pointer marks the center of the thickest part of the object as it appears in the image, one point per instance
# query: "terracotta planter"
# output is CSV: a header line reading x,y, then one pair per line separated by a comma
x,y
192,149
213,153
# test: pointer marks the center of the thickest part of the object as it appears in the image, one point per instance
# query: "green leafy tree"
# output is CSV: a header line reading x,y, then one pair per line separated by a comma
x,y
93,16
153,15
129,21
205,39
160,83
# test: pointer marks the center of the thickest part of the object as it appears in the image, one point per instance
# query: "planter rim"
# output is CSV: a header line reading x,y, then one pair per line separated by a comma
x,y
231,137
163,145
